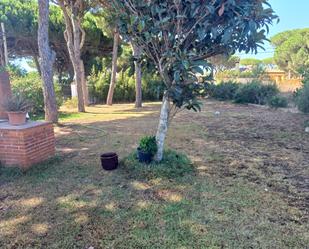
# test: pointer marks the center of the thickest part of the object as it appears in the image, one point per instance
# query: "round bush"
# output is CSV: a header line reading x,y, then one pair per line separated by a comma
x,y
256,93
278,101
302,99
225,90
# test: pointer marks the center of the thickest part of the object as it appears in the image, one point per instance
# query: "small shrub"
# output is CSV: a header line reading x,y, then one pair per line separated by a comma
x,y
173,165
302,99
225,90
278,101
71,103
148,144
256,93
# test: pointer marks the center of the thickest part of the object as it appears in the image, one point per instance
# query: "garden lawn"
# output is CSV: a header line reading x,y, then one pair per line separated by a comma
x,y
247,187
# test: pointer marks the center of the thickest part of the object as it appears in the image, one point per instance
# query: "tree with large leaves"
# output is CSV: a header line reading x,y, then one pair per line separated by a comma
x,y
292,50
47,59
178,36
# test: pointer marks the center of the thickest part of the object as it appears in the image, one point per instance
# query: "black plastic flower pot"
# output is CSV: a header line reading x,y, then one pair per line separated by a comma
x,y
143,157
109,161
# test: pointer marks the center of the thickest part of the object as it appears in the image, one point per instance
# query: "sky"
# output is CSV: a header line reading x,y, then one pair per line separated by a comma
x,y
293,15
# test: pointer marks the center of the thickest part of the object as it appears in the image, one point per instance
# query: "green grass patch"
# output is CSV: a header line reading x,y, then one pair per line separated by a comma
x,y
173,165
63,116
37,173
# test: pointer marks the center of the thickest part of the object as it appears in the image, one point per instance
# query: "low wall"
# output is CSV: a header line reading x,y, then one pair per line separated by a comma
x,y
287,85
26,145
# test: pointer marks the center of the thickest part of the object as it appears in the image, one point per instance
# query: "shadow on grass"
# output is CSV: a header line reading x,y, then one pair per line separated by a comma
x,y
38,171
56,205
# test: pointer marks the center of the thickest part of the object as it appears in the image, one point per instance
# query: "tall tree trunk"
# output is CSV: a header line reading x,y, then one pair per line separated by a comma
x,y
138,75
2,59
37,64
84,84
75,39
60,77
112,85
79,86
5,48
162,127
47,59
77,64
71,73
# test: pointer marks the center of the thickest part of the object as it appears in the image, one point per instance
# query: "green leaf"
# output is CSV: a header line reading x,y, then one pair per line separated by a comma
x,y
141,26
186,64
198,70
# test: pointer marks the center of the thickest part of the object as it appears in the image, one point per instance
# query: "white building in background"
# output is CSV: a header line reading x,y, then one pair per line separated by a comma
x,y
73,90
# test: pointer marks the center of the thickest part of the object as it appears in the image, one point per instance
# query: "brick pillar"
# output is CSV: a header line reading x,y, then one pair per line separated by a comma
x,y
5,92
27,144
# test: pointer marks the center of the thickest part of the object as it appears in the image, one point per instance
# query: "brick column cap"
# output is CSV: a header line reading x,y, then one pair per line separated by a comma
x,y
28,125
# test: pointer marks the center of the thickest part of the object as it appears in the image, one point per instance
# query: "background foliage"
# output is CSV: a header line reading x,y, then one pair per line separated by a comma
x,y
30,86
292,50
302,96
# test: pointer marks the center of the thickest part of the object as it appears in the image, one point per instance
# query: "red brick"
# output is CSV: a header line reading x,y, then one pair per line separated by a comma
x,y
25,147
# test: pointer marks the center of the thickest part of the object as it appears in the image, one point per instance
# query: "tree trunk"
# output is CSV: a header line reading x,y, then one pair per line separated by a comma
x,y
79,86
5,48
47,59
112,85
37,64
60,77
84,84
74,40
2,60
162,127
138,75
71,73
77,64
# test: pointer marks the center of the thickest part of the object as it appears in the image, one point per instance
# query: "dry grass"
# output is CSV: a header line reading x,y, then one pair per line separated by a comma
x,y
249,188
